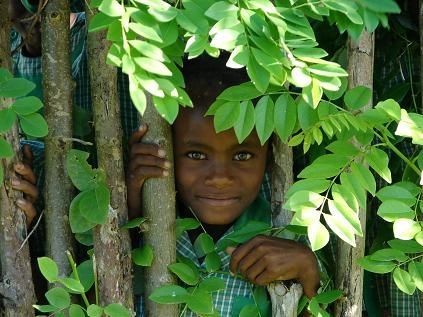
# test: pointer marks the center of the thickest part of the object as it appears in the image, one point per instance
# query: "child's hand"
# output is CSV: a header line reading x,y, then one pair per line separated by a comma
x,y
25,181
145,161
263,260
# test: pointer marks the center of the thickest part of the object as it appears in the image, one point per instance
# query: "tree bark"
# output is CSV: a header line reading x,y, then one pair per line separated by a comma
x,y
112,246
158,205
57,90
421,57
284,299
16,287
349,275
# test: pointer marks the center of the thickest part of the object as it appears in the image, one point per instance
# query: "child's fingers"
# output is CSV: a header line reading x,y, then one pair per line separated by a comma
x,y
28,208
147,149
137,135
241,251
141,174
26,187
26,172
147,160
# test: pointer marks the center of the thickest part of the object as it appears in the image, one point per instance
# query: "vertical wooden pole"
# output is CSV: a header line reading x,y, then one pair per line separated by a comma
x,y
158,205
16,288
349,275
284,300
112,246
57,89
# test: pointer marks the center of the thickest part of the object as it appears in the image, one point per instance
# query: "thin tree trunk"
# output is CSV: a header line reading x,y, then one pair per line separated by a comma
x,y
16,289
112,246
284,300
421,57
349,275
57,90
158,199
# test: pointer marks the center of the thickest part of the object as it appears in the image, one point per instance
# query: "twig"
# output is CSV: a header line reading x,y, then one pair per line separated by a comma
x,y
31,232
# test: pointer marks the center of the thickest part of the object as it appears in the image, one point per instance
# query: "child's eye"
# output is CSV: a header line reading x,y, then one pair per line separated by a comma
x,y
242,156
196,155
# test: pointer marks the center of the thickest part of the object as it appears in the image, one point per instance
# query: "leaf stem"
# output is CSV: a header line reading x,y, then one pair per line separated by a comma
x,y
75,272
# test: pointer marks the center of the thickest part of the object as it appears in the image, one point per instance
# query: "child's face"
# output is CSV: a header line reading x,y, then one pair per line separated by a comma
x,y
215,175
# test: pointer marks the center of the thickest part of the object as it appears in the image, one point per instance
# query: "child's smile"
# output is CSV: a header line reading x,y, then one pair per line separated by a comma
x,y
215,175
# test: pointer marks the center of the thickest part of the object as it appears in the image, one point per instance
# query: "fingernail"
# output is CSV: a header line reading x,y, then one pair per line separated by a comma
x,y
20,202
15,182
142,127
165,173
19,166
167,164
161,153
230,272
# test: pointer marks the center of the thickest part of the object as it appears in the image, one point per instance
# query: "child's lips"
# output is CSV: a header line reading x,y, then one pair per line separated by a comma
x,y
218,201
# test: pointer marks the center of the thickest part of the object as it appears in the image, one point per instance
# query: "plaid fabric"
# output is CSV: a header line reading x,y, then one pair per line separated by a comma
x,y
236,289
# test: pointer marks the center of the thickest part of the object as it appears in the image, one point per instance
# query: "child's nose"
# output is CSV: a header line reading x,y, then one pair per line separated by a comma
x,y
220,175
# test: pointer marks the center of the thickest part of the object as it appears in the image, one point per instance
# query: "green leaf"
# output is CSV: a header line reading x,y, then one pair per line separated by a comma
x,y
389,255
226,39
406,229
48,268
99,22
143,256
16,87
416,271
249,311
94,311
339,208
347,8
404,281
111,8
379,267
328,297
7,118
134,223
137,96
45,308
117,310
185,224
203,244
307,116
34,125
391,210
264,112
296,139
85,238
327,70
163,14
78,223
200,302
398,193
80,172
213,262
153,66
300,77
220,10
146,31
149,50
76,311
364,177
72,284
94,204
5,75
318,235
334,95
259,76
185,273
391,107
382,6
6,150
58,297
244,91
245,122
285,116
342,228
239,57
27,105
379,160
304,199
410,246
313,185
226,116
357,97
169,294
312,94
167,107
86,274
212,284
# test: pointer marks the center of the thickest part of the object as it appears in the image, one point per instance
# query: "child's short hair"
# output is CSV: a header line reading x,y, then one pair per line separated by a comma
x,y
206,77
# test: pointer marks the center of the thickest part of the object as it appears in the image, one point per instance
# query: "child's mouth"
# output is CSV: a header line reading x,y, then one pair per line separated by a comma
x,y
218,201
